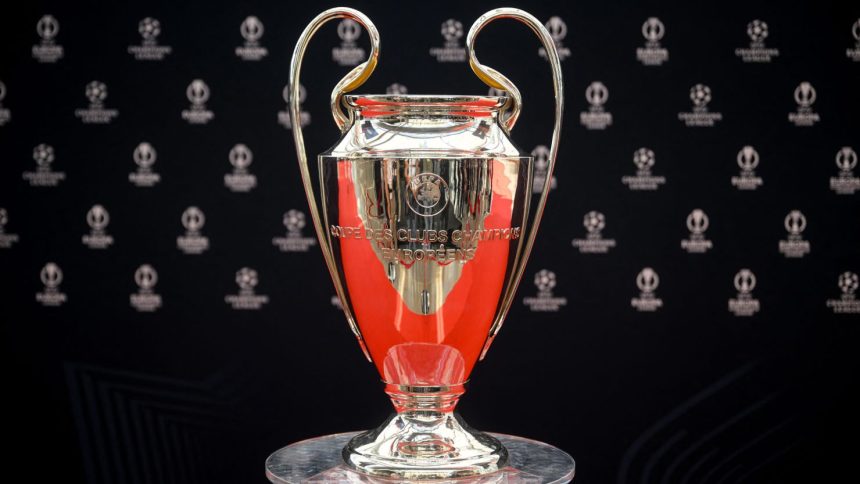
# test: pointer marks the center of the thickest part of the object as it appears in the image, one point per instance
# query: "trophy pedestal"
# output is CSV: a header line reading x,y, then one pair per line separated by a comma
x,y
320,460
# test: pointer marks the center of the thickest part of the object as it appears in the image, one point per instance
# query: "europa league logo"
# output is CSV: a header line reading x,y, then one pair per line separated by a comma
x,y
647,280
51,275
241,156
846,158
557,29
145,277
193,219
47,27
795,222
197,92
596,94
697,222
653,29
251,29
98,217
348,30
745,281
748,158
144,155
804,94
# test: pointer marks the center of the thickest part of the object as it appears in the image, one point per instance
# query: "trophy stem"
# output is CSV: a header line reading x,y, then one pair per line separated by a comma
x,y
425,439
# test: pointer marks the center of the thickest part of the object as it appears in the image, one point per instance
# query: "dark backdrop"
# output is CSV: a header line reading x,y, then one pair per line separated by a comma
x,y
98,391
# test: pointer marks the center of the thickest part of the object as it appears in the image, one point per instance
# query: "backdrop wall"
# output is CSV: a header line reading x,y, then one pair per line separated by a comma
x,y
689,314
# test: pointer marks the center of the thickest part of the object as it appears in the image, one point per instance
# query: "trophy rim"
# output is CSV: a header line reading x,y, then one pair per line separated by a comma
x,y
452,101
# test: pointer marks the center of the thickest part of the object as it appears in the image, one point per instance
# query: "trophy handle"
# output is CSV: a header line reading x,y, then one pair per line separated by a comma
x,y
355,78
494,78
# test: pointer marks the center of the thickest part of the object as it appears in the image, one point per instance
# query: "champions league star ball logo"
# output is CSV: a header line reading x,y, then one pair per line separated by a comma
x,y
757,52
545,280
848,282
700,94
644,159
96,92
294,221
545,301
848,303
452,30
397,89
653,30
246,279
43,155
757,30
149,29
594,222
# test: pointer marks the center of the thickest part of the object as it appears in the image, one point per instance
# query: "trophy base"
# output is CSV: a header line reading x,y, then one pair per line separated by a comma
x,y
319,460
422,445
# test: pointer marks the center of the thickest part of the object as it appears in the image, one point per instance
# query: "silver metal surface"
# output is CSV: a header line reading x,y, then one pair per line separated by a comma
x,y
319,460
423,218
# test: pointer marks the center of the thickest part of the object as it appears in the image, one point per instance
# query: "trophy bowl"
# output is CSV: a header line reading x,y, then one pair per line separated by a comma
x,y
424,220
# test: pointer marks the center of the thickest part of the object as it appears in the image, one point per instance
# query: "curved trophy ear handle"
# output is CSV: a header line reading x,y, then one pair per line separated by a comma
x,y
494,78
354,79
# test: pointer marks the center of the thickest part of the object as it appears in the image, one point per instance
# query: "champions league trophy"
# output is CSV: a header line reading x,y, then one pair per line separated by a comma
x,y
425,223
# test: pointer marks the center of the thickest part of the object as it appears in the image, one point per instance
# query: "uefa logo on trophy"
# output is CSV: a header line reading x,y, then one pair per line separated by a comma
x,y
424,219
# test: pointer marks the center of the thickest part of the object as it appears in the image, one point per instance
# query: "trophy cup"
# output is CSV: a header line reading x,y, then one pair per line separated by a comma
x,y
424,220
